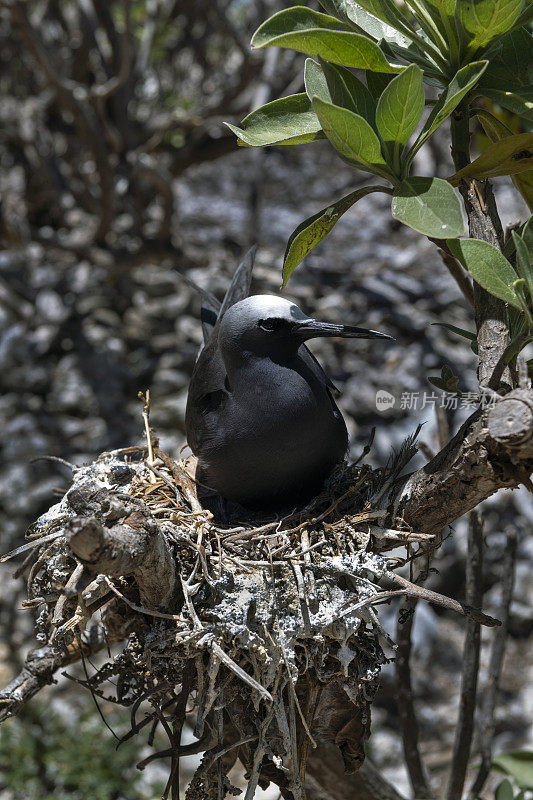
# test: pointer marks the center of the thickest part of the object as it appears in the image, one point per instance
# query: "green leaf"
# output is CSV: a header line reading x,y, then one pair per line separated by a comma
x,y
339,86
496,130
520,102
362,21
527,236
293,20
351,135
505,157
526,16
524,183
484,20
399,109
493,127
446,6
488,267
290,120
517,322
512,64
429,206
518,764
458,331
377,82
448,382
463,81
524,262
311,232
504,791
317,34
387,11
413,54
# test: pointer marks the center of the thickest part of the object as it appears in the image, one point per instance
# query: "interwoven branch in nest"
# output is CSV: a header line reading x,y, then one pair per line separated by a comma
x,y
267,627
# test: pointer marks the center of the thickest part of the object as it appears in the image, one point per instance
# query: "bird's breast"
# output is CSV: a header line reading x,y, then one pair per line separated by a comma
x,y
277,433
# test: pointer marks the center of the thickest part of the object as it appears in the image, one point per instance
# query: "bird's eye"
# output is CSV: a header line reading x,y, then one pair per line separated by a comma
x,y
271,324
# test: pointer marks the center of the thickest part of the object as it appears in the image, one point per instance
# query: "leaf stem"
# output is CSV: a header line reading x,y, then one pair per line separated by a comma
x,y
429,26
453,44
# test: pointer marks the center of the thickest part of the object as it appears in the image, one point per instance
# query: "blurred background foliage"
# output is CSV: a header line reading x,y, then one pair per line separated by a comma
x,y
50,752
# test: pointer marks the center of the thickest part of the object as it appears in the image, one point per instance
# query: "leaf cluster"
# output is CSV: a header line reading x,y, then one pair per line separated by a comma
x,y
52,756
465,48
518,765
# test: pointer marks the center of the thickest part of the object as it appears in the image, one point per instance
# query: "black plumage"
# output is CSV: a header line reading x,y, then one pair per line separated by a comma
x,y
261,416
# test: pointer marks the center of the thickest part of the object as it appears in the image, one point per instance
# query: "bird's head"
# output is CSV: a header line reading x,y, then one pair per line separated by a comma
x,y
266,324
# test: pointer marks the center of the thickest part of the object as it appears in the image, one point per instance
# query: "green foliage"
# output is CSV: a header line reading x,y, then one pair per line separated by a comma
x,y
488,267
339,86
290,120
509,78
467,48
505,157
351,135
485,20
462,82
518,764
504,791
524,257
363,22
317,34
497,130
311,232
47,756
399,108
429,206
448,382
472,338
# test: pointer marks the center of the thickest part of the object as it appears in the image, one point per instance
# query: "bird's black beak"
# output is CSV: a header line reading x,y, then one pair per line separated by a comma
x,y
312,329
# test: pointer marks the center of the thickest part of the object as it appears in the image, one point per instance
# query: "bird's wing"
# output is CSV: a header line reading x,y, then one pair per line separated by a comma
x,y
208,390
315,366
210,307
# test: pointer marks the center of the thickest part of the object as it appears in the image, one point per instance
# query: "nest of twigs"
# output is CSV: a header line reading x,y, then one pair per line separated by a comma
x,y
264,634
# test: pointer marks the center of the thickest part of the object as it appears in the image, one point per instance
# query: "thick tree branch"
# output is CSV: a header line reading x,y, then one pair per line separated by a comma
x,y
492,450
326,770
42,663
135,547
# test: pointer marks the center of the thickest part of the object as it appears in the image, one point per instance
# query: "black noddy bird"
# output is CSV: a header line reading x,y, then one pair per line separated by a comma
x,y
260,416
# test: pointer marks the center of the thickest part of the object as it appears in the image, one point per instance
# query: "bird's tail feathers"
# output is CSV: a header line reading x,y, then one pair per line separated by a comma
x,y
239,287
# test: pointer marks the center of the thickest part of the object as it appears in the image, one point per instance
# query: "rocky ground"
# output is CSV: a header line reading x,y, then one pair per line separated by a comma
x,y
79,341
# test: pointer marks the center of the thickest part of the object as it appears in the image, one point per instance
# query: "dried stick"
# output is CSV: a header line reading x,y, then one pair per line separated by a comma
x,y
465,722
490,692
145,398
465,609
404,699
136,547
230,663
